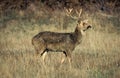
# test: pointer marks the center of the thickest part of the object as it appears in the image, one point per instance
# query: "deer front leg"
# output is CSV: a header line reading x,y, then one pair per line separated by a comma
x,y
63,59
69,58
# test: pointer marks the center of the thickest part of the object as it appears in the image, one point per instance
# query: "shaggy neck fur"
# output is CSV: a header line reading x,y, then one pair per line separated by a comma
x,y
78,34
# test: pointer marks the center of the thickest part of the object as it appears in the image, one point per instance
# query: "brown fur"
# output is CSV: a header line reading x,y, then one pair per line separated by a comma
x,y
59,42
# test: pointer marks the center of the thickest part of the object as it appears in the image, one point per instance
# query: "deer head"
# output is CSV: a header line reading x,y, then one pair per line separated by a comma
x,y
81,25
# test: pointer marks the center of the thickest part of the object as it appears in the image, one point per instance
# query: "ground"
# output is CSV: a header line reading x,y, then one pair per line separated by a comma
x,y
98,56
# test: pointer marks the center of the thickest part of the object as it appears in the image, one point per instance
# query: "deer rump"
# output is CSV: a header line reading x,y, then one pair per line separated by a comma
x,y
53,41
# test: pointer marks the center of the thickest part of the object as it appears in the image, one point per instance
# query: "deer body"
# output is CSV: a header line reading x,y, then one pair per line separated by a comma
x,y
60,42
53,41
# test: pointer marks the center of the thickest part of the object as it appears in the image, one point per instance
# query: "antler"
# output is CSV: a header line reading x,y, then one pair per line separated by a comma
x,y
79,12
68,13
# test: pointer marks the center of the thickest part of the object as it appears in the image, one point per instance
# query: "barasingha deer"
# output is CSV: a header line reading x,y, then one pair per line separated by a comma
x,y
61,42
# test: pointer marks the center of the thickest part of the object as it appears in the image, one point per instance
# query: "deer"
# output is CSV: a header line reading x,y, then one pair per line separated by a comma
x,y
48,41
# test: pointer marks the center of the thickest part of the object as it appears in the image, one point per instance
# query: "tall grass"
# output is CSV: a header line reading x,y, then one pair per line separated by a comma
x,y
98,56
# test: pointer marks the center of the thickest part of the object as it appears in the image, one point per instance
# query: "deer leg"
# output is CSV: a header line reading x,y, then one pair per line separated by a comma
x,y
40,49
43,55
69,58
63,59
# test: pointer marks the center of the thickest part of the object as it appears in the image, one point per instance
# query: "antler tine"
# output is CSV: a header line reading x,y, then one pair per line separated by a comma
x,y
79,13
68,11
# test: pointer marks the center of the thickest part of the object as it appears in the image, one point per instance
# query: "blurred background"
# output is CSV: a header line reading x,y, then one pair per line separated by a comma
x,y
98,56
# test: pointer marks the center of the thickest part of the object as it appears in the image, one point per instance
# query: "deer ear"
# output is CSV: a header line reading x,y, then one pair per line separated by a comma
x,y
85,21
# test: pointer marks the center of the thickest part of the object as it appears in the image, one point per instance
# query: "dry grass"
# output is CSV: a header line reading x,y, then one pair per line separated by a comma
x,y
98,56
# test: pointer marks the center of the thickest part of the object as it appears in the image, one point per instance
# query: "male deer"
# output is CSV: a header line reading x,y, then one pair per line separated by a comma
x,y
60,42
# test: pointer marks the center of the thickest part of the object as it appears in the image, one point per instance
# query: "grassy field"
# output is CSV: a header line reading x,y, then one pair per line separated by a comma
x,y
98,56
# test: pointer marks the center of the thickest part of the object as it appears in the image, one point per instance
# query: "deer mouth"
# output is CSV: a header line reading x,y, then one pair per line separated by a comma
x,y
88,28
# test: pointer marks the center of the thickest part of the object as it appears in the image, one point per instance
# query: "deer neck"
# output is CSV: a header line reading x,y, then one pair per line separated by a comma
x,y
78,34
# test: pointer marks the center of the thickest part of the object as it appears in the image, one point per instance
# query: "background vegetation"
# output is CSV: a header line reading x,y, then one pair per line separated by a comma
x,y
98,56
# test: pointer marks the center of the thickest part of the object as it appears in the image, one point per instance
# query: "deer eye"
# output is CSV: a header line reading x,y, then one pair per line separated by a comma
x,y
84,24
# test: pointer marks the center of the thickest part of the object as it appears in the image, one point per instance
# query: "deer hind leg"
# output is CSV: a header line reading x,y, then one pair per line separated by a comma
x,y
39,51
43,54
39,47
